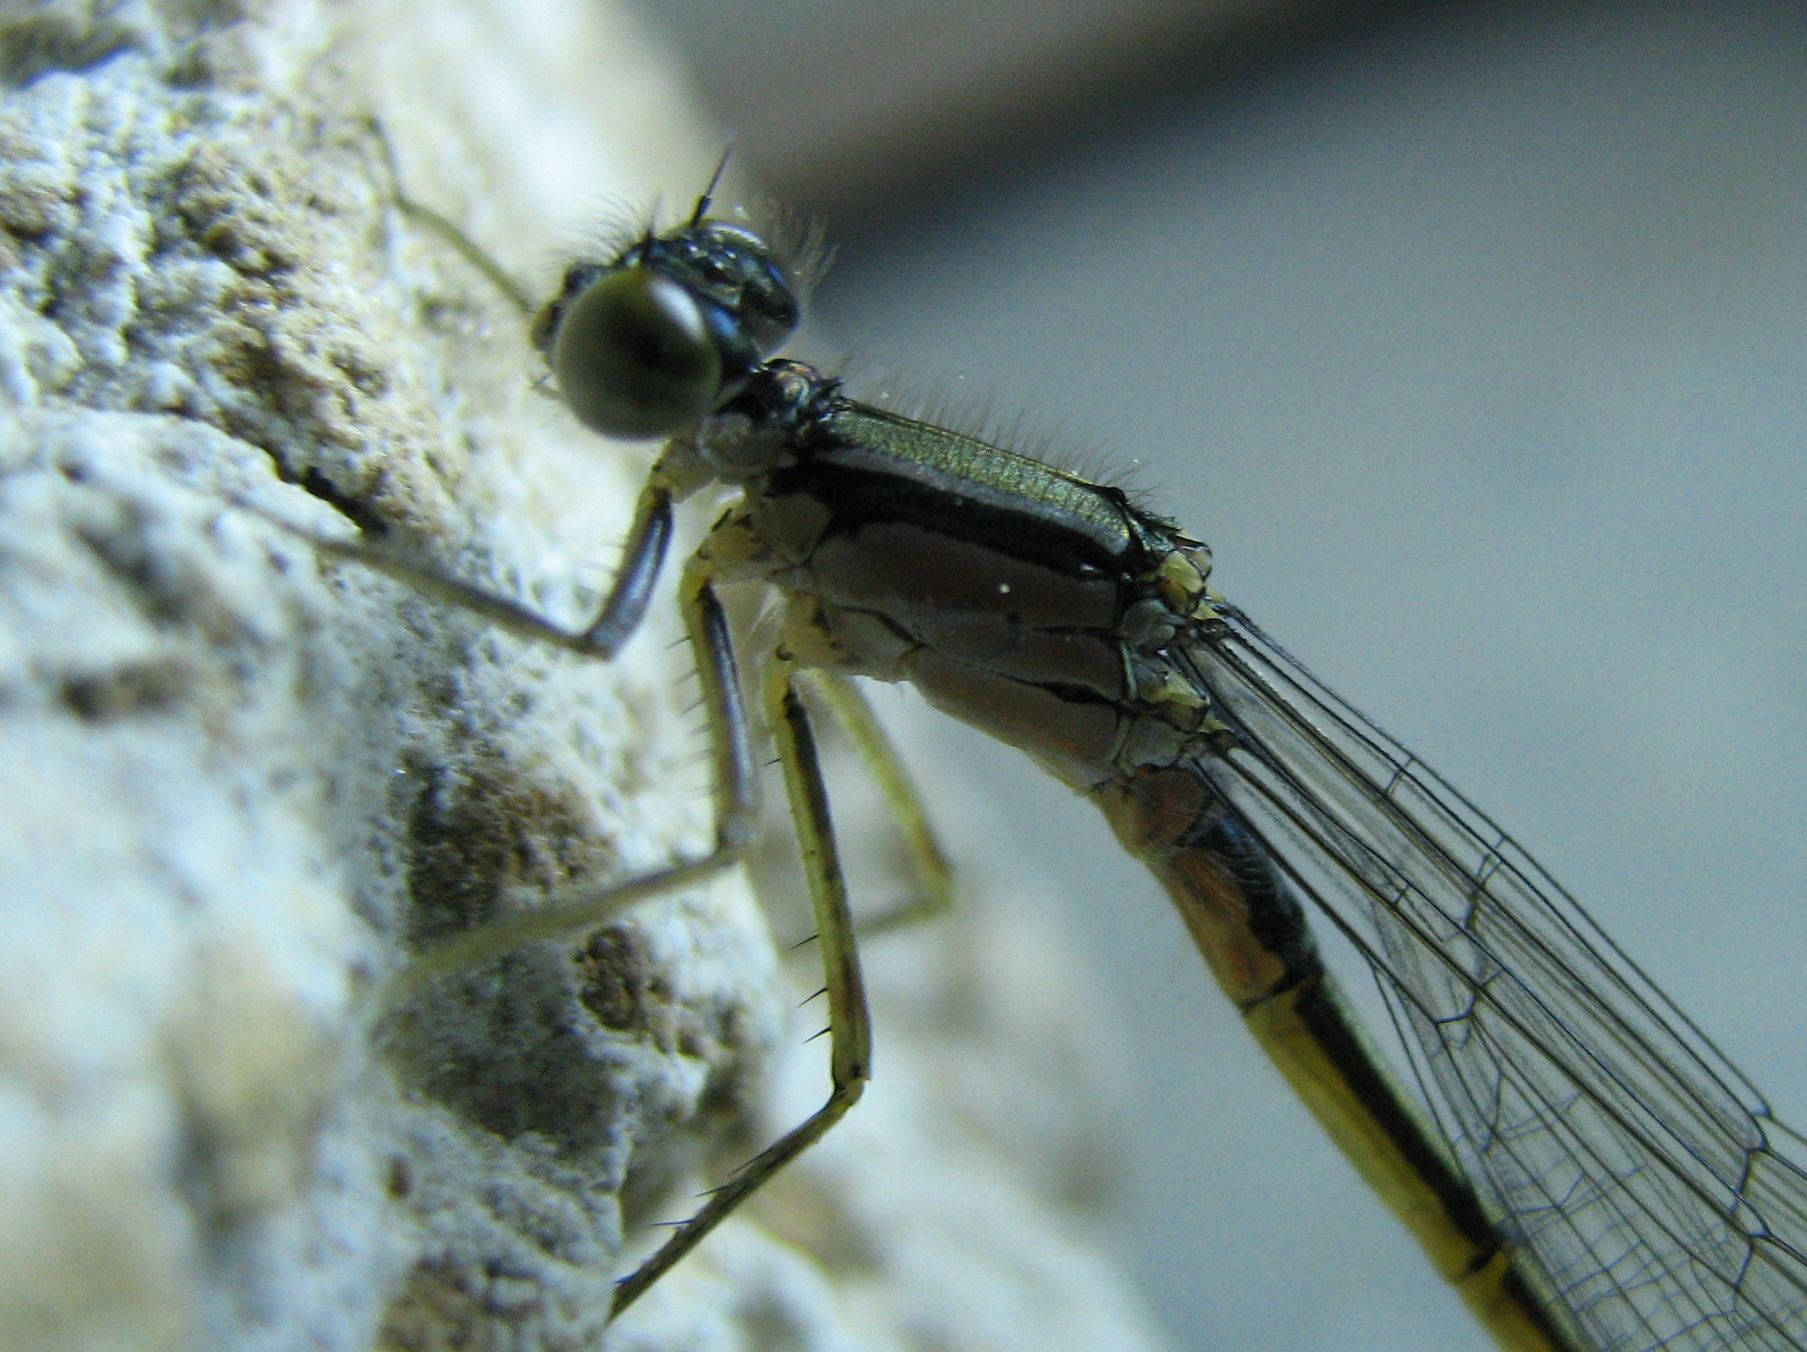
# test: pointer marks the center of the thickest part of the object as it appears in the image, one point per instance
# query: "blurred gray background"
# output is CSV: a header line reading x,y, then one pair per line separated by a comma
x,y
1474,339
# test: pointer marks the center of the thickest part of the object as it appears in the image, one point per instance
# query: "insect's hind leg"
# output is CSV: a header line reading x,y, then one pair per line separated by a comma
x,y
849,1024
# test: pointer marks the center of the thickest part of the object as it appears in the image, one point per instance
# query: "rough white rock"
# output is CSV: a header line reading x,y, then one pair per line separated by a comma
x,y
235,784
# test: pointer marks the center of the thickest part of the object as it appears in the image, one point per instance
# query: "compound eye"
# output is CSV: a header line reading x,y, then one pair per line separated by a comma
x,y
633,357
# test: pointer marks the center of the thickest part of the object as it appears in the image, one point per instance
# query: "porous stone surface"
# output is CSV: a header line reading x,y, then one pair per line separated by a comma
x,y
239,784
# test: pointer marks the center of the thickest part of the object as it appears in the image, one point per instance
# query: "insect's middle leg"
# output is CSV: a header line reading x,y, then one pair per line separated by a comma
x,y
736,788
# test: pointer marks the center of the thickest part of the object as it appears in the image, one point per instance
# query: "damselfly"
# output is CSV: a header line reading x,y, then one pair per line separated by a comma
x,y
1574,1154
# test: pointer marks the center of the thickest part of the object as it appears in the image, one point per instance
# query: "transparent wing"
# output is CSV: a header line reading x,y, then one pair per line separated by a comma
x,y
1658,1199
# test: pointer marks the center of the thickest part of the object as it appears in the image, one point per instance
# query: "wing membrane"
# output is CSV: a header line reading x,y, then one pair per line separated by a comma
x,y
1645,1177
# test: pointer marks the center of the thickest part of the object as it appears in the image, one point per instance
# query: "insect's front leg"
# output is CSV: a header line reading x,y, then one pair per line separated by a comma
x,y
648,541
443,226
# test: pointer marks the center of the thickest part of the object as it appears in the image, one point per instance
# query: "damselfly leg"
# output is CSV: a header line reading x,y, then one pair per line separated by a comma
x,y
638,307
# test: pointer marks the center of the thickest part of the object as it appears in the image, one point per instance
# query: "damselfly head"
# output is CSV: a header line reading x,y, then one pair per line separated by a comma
x,y
658,338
